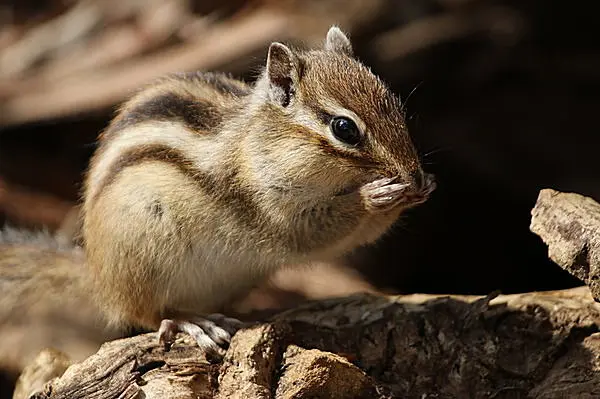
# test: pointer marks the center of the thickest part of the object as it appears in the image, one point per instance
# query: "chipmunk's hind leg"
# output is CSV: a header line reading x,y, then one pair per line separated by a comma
x,y
212,332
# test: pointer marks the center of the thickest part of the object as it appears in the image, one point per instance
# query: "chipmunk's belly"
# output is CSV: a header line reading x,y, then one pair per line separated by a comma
x,y
212,277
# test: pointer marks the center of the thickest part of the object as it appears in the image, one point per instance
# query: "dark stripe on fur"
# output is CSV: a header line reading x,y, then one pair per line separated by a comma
x,y
196,115
225,190
177,103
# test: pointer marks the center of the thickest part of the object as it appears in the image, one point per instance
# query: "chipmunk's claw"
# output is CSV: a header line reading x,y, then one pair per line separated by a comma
x,y
212,333
385,194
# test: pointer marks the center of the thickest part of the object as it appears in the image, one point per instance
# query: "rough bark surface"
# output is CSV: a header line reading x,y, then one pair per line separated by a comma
x,y
541,345
570,225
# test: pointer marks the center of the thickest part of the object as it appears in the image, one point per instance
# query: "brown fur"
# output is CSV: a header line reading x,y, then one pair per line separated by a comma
x,y
176,98
202,186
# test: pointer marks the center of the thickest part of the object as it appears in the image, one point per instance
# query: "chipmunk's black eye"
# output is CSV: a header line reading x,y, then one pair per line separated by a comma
x,y
345,130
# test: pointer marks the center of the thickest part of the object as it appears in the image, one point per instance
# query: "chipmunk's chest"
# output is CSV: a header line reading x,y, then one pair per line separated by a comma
x,y
211,276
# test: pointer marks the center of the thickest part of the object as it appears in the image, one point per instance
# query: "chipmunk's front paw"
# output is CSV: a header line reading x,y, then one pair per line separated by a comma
x,y
388,193
383,194
212,333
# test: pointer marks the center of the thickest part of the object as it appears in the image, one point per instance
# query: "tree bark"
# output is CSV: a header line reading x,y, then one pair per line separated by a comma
x,y
570,225
541,345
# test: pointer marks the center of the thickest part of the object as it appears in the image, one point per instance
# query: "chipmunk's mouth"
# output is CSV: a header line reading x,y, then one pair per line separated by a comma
x,y
425,184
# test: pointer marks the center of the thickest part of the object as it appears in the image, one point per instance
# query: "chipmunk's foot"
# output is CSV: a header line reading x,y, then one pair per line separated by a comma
x,y
212,333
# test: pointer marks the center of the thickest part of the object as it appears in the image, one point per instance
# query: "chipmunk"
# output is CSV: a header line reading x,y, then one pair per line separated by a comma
x,y
203,185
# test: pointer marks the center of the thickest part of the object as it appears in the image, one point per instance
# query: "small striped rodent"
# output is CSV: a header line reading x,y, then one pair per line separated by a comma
x,y
203,185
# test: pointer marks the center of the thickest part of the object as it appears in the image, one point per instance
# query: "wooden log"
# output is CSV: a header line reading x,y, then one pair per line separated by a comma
x,y
570,225
542,345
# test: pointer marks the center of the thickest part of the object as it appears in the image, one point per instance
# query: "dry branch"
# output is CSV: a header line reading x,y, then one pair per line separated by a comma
x,y
544,345
570,225
109,57
101,88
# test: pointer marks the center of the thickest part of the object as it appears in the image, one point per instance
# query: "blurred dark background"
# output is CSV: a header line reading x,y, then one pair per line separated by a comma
x,y
501,98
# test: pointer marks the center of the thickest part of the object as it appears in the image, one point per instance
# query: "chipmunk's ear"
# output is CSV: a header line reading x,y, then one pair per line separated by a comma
x,y
282,71
337,41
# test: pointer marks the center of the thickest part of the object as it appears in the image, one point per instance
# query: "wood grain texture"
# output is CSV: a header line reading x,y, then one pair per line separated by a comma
x,y
570,225
542,345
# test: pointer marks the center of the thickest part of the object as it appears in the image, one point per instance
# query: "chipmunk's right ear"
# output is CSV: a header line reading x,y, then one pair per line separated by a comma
x,y
338,42
282,71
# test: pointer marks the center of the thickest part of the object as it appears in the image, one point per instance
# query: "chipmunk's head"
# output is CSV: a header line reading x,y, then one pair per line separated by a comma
x,y
336,125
